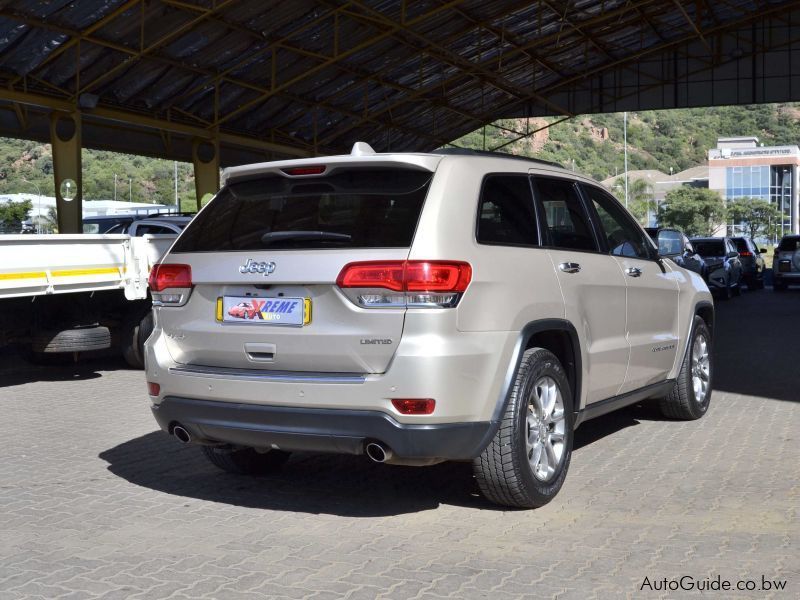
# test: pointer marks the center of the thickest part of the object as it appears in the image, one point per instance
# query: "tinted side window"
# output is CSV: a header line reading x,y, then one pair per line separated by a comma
x,y
623,237
670,242
564,216
505,214
152,229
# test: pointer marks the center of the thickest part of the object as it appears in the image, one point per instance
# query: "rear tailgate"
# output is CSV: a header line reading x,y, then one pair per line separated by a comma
x,y
265,256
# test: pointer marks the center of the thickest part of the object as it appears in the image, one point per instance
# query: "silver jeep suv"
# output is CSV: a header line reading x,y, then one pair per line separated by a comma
x,y
419,308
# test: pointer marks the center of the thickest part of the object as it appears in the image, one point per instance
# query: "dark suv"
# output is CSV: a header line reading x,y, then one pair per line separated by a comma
x,y
723,266
753,264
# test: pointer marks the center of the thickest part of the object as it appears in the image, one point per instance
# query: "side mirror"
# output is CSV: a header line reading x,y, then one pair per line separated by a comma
x,y
763,250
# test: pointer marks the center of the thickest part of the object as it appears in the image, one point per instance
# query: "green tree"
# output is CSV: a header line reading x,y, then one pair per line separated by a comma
x,y
12,214
758,216
640,197
697,211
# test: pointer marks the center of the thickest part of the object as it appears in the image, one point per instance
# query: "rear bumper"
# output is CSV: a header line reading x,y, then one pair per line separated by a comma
x,y
786,276
320,430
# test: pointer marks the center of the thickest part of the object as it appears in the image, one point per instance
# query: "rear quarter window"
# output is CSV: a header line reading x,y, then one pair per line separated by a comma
x,y
357,208
789,244
506,214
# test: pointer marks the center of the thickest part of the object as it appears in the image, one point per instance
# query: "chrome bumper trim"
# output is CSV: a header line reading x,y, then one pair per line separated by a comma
x,y
266,375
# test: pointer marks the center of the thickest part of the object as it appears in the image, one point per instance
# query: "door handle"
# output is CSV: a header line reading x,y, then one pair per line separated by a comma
x,y
633,272
569,267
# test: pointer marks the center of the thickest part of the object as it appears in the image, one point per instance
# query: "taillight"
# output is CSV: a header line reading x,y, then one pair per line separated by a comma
x,y
170,284
411,283
745,254
153,388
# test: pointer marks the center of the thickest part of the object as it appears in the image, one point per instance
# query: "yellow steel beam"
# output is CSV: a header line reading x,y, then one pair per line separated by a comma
x,y
65,140
131,118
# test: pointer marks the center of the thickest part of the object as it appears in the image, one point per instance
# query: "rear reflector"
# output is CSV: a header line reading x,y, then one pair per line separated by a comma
x,y
164,277
299,171
414,406
153,388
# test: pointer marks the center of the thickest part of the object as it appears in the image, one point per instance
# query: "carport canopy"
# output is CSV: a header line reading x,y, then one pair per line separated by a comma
x,y
222,82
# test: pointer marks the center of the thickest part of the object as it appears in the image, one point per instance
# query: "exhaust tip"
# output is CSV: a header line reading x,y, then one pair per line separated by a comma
x,y
378,452
183,436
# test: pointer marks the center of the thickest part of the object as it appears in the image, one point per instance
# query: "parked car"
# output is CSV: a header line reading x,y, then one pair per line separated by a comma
x,y
723,267
105,223
786,263
753,264
673,244
165,224
412,312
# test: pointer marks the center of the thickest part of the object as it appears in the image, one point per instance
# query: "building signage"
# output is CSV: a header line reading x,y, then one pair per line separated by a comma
x,y
748,152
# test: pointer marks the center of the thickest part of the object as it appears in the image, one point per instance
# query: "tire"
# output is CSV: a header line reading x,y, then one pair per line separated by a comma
x,y
737,291
505,470
727,293
245,461
683,401
82,339
136,329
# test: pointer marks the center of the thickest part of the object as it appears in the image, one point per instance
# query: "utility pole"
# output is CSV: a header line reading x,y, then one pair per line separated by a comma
x,y
625,134
115,187
130,189
176,186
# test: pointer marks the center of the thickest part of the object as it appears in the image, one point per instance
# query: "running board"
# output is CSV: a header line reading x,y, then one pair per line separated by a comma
x,y
608,405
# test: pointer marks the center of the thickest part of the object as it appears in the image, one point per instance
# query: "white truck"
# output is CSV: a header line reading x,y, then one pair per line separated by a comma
x,y
69,294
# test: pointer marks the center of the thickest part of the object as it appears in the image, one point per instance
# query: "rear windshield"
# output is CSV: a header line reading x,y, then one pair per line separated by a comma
x,y
358,208
709,248
741,244
788,244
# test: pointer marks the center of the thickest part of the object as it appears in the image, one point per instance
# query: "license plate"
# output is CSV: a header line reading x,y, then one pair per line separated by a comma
x,y
265,311
784,267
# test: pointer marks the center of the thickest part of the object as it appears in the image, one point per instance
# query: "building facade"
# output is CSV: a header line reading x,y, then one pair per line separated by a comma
x,y
741,168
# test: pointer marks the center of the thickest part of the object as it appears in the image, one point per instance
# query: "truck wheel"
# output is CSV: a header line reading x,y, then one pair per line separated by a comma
x,y
81,339
136,330
527,461
690,397
245,461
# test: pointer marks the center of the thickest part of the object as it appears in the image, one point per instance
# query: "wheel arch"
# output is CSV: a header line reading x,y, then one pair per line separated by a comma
x,y
560,337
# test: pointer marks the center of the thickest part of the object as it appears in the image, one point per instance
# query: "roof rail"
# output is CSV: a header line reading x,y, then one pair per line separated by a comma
x,y
471,152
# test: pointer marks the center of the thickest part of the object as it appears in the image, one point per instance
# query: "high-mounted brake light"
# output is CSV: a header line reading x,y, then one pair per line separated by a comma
x,y
417,283
745,254
299,171
170,285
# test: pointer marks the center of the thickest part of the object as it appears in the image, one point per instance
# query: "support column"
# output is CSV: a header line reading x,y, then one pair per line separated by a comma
x,y
65,138
205,157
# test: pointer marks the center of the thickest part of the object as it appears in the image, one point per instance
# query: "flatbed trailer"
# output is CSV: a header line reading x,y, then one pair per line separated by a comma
x,y
70,294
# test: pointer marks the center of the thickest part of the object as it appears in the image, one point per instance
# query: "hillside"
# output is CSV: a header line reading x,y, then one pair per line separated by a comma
x,y
658,139
151,180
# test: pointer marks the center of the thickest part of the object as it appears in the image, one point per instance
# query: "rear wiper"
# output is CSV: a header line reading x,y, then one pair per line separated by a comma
x,y
273,237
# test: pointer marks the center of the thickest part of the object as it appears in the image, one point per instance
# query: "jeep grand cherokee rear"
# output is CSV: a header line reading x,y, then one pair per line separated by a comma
x,y
418,308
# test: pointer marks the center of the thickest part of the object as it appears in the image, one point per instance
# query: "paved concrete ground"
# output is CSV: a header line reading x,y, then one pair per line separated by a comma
x,y
95,502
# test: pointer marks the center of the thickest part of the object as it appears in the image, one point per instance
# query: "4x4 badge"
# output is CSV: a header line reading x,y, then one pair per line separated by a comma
x,y
252,266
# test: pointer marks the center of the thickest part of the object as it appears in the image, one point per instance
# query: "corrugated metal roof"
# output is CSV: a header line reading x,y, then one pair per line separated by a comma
x,y
319,74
